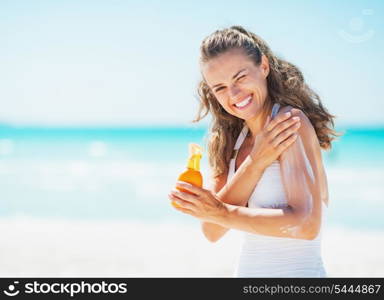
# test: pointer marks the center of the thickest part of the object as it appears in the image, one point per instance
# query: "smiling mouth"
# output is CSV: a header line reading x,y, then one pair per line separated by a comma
x,y
244,103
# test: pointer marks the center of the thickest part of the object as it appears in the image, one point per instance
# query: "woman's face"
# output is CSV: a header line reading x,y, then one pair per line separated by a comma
x,y
238,85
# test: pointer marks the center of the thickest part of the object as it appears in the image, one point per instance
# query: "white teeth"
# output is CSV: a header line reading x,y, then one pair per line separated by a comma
x,y
244,102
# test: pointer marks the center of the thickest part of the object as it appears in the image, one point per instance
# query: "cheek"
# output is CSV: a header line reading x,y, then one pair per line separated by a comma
x,y
260,95
223,102
259,91
263,84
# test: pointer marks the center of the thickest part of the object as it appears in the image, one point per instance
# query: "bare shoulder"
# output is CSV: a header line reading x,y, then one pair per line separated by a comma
x,y
312,150
308,138
296,113
306,131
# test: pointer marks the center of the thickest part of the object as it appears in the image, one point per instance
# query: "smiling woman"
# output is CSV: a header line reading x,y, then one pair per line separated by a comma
x,y
264,150
247,86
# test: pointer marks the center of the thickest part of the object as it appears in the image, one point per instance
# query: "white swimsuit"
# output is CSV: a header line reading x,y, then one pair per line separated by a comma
x,y
268,256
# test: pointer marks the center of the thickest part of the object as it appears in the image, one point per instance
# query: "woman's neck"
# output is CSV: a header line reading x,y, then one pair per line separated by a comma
x,y
257,123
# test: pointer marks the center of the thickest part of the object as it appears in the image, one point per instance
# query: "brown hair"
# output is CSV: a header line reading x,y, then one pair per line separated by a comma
x,y
285,84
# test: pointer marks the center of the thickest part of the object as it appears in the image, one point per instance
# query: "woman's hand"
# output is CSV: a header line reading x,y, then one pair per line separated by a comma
x,y
276,136
201,203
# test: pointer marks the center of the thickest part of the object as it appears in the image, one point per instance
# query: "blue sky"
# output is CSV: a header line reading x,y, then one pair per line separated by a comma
x,y
121,63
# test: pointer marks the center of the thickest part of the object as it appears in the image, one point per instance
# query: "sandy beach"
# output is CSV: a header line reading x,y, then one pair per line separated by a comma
x,y
52,248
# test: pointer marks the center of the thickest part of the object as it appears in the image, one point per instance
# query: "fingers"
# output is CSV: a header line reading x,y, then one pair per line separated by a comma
x,y
186,211
181,208
189,187
180,203
279,118
282,126
184,196
287,143
287,132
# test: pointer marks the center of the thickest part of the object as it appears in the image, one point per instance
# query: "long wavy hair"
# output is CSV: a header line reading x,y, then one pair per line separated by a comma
x,y
285,85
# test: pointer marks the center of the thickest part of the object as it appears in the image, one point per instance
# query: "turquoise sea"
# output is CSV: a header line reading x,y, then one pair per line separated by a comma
x,y
126,173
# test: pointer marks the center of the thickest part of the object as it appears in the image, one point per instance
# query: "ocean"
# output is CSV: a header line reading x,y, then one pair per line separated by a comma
x,y
126,174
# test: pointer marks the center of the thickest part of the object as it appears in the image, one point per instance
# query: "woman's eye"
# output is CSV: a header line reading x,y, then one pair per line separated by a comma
x,y
223,87
242,76
218,89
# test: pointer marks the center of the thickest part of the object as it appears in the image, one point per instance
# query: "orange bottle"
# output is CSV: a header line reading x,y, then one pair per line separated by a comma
x,y
192,175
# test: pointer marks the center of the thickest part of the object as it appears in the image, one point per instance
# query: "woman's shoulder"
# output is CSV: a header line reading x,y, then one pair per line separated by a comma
x,y
306,129
312,149
294,111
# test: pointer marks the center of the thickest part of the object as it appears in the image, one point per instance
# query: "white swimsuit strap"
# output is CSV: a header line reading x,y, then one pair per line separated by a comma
x,y
241,137
275,110
239,142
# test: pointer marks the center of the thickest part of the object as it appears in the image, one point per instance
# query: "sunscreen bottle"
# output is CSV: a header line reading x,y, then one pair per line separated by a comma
x,y
192,174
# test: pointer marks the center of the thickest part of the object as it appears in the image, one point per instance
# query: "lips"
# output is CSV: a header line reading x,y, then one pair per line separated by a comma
x,y
243,103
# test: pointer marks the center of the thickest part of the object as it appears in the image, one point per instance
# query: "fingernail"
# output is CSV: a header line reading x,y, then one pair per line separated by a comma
x,y
288,113
175,204
183,183
296,118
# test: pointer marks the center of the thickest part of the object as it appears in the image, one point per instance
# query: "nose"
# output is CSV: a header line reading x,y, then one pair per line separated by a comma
x,y
233,91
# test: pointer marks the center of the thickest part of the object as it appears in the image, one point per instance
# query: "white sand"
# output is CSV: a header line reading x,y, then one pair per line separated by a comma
x,y
52,248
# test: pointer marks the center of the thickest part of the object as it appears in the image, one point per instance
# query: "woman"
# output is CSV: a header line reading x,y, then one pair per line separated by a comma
x,y
269,180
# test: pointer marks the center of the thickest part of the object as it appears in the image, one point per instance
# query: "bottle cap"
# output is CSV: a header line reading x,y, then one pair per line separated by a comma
x,y
195,149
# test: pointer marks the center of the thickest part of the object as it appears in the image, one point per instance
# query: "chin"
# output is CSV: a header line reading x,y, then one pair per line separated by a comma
x,y
250,115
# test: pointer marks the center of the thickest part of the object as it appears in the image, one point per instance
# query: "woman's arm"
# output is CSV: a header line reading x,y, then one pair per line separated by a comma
x,y
213,232
247,177
238,190
305,184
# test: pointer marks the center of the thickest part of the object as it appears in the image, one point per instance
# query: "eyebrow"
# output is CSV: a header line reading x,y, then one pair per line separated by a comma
x,y
234,76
